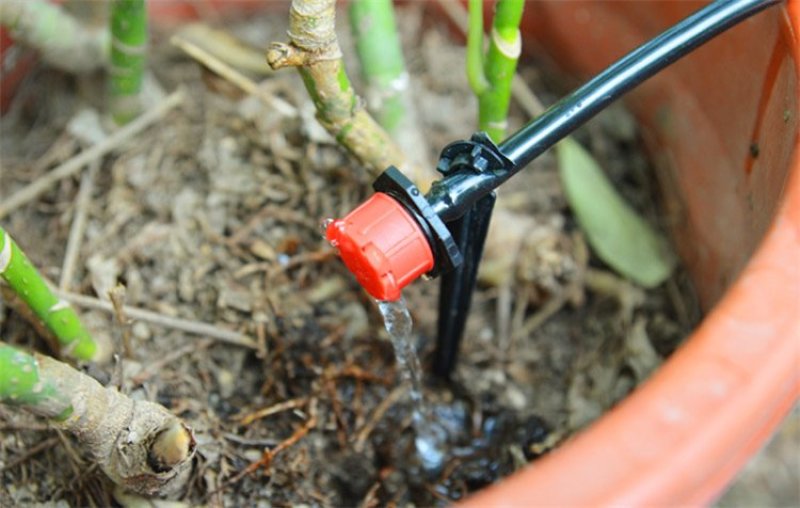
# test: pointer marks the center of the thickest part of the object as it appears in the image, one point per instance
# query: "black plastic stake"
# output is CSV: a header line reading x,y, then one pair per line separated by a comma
x,y
457,286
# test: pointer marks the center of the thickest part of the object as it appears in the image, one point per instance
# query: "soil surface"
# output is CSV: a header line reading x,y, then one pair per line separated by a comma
x,y
213,216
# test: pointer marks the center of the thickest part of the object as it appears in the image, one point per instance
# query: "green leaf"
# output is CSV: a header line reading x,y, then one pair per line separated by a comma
x,y
615,231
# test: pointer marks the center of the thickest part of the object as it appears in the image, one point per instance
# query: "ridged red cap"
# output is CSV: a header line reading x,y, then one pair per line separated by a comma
x,y
382,244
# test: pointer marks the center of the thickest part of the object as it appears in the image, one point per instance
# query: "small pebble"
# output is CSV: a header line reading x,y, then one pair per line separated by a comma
x,y
141,331
262,250
227,383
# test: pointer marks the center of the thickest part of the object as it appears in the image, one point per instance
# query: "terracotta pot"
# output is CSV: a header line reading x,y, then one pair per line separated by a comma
x,y
170,12
722,127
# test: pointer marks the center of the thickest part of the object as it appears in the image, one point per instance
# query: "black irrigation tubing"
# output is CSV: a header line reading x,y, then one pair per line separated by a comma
x,y
584,103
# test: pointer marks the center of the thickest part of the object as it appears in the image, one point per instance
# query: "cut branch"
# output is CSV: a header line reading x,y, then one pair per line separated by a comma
x,y
314,50
184,325
139,444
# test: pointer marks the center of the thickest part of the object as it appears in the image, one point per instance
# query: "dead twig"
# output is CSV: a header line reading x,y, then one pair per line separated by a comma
x,y
31,452
629,295
356,372
78,225
59,151
371,499
227,72
76,462
300,259
184,325
269,455
73,165
226,47
273,270
358,403
555,303
117,297
679,304
279,213
377,415
29,426
336,405
271,410
544,313
261,340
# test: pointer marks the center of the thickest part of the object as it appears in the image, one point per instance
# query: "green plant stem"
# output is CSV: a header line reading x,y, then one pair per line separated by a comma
x,y
389,94
475,72
378,46
128,54
59,38
490,77
22,385
314,50
138,444
57,315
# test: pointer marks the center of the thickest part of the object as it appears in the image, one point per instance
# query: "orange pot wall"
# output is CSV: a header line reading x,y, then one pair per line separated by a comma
x,y
172,12
682,436
700,118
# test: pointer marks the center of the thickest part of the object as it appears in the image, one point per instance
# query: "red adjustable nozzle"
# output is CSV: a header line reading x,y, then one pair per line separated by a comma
x,y
382,244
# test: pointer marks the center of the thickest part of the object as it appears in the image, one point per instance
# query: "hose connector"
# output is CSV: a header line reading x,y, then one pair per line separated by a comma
x,y
393,238
382,245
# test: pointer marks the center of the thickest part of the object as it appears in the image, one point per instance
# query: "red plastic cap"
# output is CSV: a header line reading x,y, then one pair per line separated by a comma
x,y
382,244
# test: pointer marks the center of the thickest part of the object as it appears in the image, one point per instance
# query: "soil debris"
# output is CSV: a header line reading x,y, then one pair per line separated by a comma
x,y
210,221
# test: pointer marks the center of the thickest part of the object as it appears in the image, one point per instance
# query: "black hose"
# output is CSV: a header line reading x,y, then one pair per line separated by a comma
x,y
453,195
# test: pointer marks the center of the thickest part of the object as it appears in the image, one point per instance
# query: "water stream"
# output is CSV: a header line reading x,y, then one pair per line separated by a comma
x,y
430,438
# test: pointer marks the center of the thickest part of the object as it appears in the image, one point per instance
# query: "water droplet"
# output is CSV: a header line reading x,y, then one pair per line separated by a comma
x,y
430,450
323,225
